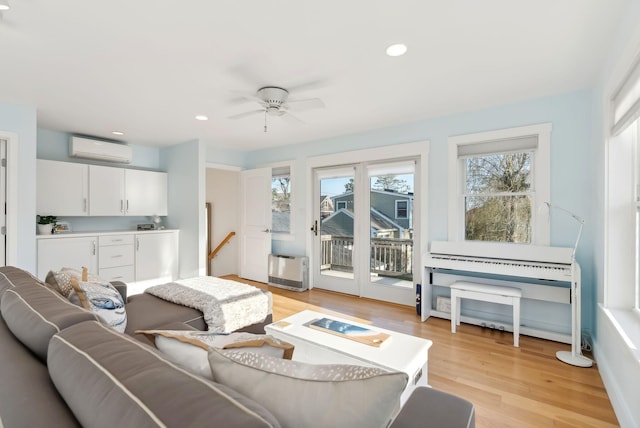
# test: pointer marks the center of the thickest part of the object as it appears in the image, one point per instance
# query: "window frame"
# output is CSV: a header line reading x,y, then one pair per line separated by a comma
x,y
285,236
339,207
406,209
541,171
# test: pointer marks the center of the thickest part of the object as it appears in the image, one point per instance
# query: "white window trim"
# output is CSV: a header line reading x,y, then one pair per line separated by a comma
x,y
541,180
406,209
339,203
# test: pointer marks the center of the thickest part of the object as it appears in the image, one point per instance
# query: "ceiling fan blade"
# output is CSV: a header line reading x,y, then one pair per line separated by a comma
x,y
307,86
306,104
291,118
245,114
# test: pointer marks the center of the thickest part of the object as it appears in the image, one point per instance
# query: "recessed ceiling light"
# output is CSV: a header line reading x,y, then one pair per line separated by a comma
x,y
202,117
397,49
117,133
4,5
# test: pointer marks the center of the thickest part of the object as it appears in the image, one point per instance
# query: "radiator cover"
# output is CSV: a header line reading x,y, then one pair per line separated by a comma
x,y
289,272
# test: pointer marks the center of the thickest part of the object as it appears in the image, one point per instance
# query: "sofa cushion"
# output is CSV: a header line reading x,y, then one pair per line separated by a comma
x,y
188,349
28,398
310,395
11,276
146,312
34,314
109,379
101,298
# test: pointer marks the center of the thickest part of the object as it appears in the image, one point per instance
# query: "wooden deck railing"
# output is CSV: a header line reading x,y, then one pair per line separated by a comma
x,y
389,257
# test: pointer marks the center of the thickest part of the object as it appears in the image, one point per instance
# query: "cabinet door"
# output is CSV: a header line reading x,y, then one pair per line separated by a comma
x,y
106,191
157,256
61,188
146,192
56,253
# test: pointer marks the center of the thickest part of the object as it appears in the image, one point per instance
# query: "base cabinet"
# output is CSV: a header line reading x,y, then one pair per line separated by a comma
x,y
141,259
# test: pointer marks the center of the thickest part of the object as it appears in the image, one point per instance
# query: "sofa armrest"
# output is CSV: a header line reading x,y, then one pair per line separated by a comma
x,y
428,407
122,289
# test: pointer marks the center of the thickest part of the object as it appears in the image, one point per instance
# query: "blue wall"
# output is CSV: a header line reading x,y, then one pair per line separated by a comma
x,y
572,181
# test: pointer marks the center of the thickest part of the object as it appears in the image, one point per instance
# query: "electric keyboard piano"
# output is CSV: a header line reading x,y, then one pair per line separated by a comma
x,y
522,266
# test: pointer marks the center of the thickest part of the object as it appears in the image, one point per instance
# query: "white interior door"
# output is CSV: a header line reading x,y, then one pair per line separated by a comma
x,y
255,234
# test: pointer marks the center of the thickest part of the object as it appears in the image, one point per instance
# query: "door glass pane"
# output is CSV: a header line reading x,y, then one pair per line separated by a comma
x,y
391,228
337,218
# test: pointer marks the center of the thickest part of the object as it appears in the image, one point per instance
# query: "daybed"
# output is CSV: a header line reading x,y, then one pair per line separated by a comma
x,y
62,366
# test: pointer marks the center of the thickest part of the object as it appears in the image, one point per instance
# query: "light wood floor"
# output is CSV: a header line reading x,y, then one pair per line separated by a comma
x,y
510,387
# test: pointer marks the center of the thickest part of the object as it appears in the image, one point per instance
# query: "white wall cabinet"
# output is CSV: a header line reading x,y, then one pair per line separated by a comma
x,y
119,191
62,188
72,252
140,259
74,189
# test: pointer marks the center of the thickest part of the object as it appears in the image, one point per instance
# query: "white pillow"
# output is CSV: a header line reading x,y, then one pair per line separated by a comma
x,y
61,280
308,395
101,298
188,348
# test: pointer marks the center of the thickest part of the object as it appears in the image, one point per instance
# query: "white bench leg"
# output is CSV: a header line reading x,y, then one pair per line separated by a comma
x,y
516,322
454,310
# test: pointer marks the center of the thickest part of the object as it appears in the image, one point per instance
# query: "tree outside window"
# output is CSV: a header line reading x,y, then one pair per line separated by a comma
x,y
281,201
498,196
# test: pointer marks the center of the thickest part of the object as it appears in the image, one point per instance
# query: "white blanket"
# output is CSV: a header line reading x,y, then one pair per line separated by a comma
x,y
227,305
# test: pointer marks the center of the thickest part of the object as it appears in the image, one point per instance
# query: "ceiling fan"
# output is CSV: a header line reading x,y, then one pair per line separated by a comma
x,y
275,101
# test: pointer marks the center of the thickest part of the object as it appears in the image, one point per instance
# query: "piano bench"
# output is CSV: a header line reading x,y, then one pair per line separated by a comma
x,y
486,293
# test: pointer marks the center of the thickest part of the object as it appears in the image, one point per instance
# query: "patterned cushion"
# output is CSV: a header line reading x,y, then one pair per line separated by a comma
x,y
61,280
35,313
188,349
101,298
112,380
308,395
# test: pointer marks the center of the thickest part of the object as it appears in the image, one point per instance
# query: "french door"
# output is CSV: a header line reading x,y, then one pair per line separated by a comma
x,y
363,230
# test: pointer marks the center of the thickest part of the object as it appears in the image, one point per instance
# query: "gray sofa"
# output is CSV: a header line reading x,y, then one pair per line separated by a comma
x,y
61,366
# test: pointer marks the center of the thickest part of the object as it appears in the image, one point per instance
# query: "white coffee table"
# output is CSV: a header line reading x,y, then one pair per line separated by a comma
x,y
400,352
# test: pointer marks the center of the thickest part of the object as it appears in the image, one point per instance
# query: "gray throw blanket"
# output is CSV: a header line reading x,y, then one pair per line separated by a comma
x,y
227,305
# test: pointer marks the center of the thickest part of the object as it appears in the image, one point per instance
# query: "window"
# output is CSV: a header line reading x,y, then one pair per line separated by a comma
x,y
402,209
497,181
622,286
341,205
281,200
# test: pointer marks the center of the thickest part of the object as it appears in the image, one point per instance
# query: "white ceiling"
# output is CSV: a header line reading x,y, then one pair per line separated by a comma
x,y
147,67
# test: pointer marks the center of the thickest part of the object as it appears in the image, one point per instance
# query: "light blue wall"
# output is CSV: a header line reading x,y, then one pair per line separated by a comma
x,y
185,164
572,181
22,121
54,145
224,156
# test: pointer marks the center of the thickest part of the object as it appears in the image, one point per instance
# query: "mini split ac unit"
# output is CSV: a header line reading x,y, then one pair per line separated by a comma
x,y
80,147
289,272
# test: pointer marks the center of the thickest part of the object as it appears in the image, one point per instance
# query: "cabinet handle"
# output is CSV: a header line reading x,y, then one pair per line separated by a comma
x,y
137,244
116,240
93,251
117,256
127,210
122,206
118,277
84,205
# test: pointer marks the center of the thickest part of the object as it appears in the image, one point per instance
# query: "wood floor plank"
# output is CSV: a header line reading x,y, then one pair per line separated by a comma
x,y
523,387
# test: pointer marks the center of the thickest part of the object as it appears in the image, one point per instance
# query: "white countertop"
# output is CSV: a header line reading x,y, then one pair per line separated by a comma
x,y
101,233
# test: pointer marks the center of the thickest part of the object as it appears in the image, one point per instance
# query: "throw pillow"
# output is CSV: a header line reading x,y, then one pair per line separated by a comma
x,y
188,348
101,298
309,395
61,280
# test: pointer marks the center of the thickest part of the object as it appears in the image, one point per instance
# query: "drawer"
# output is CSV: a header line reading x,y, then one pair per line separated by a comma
x,y
120,273
115,255
115,240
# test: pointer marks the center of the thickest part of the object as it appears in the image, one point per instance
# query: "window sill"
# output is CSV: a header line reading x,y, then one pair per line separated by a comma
x,y
627,323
